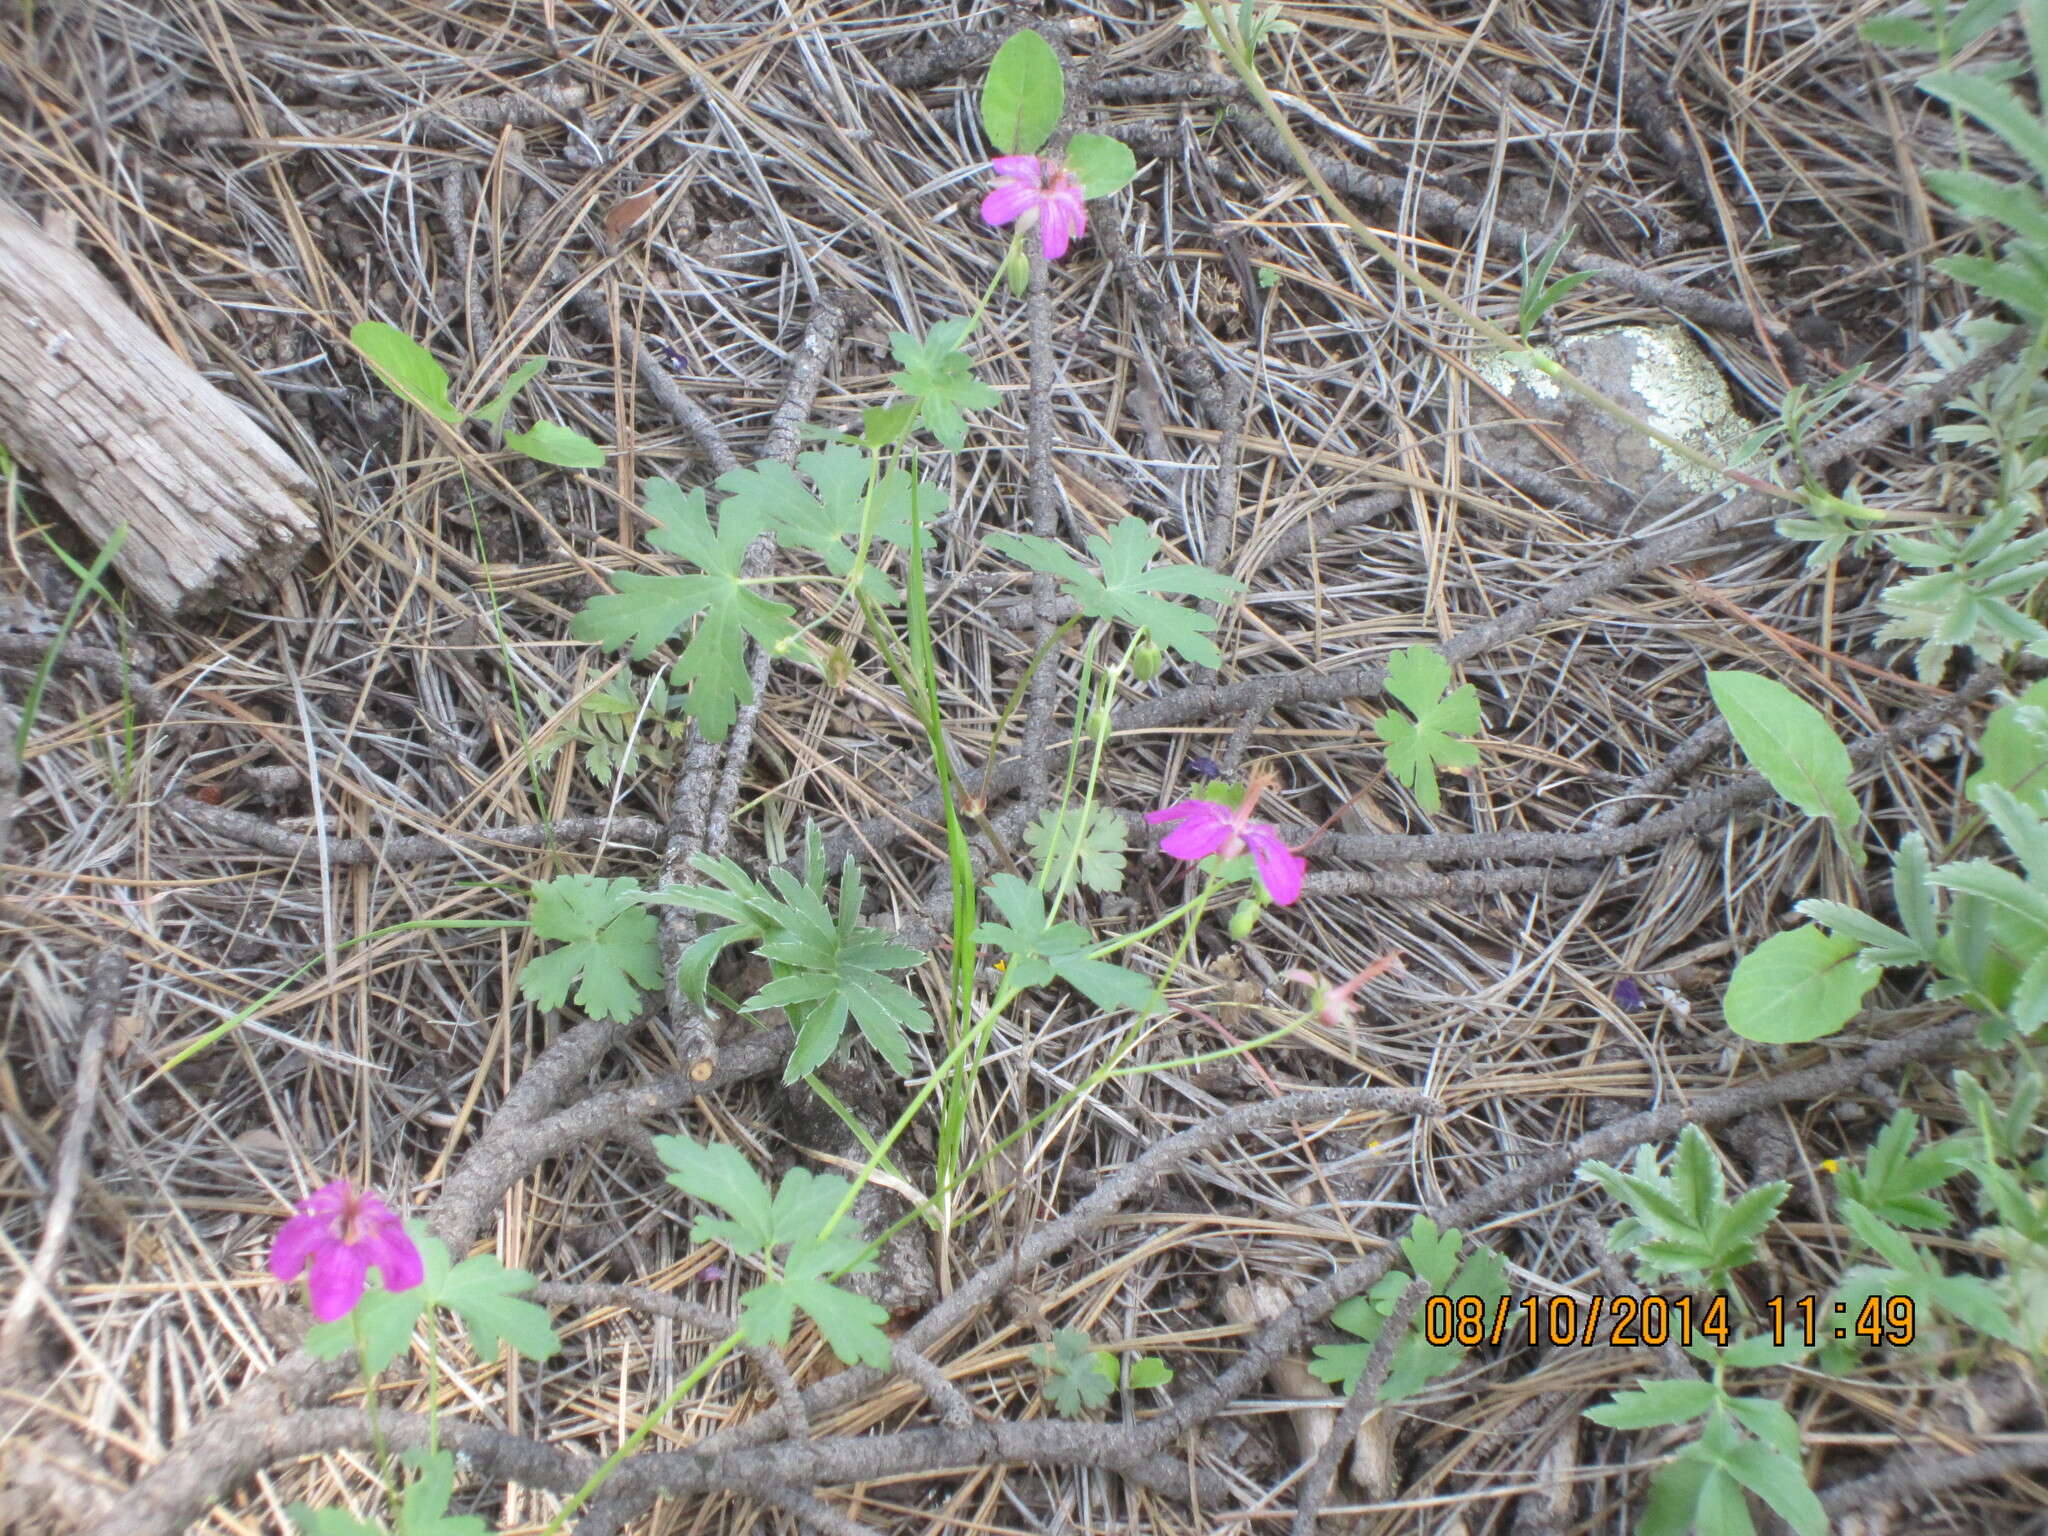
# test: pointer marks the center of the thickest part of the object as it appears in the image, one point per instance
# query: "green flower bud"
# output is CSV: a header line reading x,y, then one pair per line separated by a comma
x,y
1098,723
1244,919
1146,661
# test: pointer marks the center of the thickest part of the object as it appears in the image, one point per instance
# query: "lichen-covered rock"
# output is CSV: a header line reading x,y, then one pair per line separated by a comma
x,y
1656,371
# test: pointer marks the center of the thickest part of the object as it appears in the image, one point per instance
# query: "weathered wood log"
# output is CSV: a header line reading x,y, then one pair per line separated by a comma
x,y
123,430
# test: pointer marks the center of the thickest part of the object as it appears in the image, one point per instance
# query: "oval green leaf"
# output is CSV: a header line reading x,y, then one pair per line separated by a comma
x,y
1024,96
1101,165
407,367
1798,986
552,443
1790,743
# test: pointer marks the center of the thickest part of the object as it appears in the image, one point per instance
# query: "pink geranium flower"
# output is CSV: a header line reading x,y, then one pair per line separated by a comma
x,y
336,1236
1049,196
1205,827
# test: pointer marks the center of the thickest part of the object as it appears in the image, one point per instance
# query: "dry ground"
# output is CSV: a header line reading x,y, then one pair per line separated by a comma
x,y
232,803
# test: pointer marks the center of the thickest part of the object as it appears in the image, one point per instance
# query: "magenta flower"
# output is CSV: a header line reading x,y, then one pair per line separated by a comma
x,y
1205,827
1046,195
336,1236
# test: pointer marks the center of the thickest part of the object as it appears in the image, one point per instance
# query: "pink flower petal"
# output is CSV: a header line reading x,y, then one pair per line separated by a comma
x,y
335,1282
1055,229
328,1200
396,1258
1006,203
1281,869
296,1242
1198,840
1028,169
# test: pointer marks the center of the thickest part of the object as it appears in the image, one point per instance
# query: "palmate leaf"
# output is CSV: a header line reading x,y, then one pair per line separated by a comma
x,y
1074,1379
758,1225
608,940
1099,859
1416,748
423,1510
649,611
1683,1222
480,1290
1040,949
1130,588
1416,1362
941,377
827,521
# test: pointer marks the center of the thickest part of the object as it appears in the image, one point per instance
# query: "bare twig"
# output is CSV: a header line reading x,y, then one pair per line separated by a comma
x,y
102,997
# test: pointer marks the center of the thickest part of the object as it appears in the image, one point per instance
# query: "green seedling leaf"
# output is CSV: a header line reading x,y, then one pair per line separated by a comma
x,y
940,377
608,939
1149,1372
493,414
1798,986
828,522
1102,165
721,1175
1682,1222
423,1511
651,610
550,442
1130,587
407,367
1040,949
1418,747
1024,96
1074,1379
1100,855
884,425
1790,743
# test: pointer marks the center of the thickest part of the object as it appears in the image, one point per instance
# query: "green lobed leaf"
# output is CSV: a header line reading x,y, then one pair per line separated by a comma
x,y
1791,743
407,367
423,1509
1074,1379
608,939
486,1296
1130,588
1655,1403
1798,986
1099,832
331,1522
1417,747
1776,1478
721,1176
648,611
1024,95
940,377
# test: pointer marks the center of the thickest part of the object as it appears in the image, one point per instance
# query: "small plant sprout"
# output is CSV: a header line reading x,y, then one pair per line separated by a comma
x,y
1205,827
335,1237
413,373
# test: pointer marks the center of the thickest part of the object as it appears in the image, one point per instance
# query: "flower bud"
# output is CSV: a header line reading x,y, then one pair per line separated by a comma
x,y
1244,919
1099,723
1146,661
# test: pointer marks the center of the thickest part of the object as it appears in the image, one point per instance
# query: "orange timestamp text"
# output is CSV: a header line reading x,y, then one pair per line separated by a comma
x,y
1651,1321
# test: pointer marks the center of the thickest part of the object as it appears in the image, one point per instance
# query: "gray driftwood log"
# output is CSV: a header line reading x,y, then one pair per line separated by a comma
x,y
122,430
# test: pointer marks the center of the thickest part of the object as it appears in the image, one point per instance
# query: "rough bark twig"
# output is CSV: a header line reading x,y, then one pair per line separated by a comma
x,y
707,787
102,996
1315,1488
